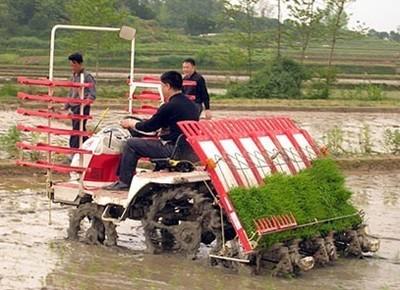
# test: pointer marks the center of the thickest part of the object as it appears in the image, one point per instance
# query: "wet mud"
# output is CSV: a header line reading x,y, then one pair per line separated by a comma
x,y
352,125
35,255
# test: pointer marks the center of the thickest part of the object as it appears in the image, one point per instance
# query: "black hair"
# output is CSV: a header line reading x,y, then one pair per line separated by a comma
x,y
76,57
190,60
173,78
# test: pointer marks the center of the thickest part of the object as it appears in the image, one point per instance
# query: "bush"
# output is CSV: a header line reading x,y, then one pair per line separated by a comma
x,y
280,79
205,58
321,85
315,193
375,92
27,42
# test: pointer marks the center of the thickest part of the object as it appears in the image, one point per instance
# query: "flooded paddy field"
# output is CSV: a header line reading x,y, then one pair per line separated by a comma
x,y
354,131
35,255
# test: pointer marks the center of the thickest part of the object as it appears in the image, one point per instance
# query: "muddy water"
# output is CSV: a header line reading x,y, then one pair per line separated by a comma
x,y
34,255
318,124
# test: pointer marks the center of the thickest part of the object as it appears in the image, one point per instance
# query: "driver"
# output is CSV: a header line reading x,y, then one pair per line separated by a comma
x,y
176,108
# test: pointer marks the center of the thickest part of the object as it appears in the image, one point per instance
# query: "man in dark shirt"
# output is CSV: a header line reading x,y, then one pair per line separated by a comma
x,y
76,62
176,108
197,86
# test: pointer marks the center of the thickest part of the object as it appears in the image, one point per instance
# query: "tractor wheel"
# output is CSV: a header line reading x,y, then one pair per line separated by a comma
x,y
179,219
97,231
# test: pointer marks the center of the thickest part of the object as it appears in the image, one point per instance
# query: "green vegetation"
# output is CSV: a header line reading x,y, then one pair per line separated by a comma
x,y
392,141
365,140
281,79
368,92
8,90
8,141
315,193
222,36
334,141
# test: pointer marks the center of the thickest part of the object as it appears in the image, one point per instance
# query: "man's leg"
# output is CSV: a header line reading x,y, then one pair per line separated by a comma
x,y
74,139
136,148
86,112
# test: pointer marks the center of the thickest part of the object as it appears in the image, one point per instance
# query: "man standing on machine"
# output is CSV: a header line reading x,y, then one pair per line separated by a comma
x,y
198,89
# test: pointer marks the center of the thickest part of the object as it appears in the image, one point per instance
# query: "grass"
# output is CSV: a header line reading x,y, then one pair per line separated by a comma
x,y
9,58
314,193
8,90
9,139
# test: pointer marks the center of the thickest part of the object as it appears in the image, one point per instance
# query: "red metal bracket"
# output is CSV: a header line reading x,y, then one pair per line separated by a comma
x,y
51,115
148,96
145,109
45,129
278,223
150,79
47,99
50,148
51,166
49,83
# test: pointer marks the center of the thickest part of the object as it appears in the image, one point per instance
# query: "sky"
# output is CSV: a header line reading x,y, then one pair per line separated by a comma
x,y
381,15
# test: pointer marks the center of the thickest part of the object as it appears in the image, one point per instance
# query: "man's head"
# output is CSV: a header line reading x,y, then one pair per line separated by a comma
x,y
75,61
171,83
188,66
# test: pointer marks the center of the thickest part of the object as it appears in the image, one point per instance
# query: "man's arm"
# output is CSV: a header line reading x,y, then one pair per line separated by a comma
x,y
90,93
203,93
157,121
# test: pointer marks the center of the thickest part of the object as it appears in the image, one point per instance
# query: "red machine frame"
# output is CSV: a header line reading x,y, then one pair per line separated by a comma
x,y
236,133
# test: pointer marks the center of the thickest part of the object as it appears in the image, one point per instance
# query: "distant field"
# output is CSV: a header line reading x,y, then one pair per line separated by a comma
x,y
357,60
353,56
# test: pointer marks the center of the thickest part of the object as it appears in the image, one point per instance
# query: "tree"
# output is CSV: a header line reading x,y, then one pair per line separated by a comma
x,y
141,8
393,35
95,13
4,17
337,20
306,18
47,14
19,17
242,13
193,16
279,35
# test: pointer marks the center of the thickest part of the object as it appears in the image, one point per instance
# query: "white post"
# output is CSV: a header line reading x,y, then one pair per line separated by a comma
x,y
131,76
81,111
82,97
71,27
